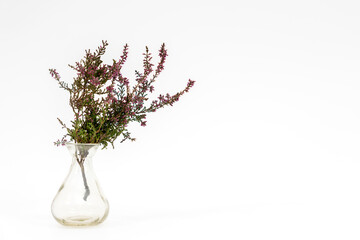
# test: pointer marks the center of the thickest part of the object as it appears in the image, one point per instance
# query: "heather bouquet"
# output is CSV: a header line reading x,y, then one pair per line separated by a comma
x,y
103,100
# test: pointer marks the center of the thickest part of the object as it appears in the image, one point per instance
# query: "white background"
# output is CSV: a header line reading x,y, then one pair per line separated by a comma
x,y
265,146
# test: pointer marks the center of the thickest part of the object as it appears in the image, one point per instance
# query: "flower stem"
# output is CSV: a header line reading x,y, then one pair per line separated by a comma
x,y
81,161
87,190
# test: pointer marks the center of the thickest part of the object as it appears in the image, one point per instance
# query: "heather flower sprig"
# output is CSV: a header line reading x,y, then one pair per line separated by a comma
x,y
104,103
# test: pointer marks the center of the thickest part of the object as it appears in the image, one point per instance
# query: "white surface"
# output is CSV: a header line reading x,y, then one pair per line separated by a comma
x,y
266,145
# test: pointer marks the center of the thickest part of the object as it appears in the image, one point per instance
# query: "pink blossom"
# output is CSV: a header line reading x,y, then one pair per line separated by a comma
x,y
110,88
54,74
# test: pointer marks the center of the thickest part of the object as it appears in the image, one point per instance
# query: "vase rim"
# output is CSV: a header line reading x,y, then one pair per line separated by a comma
x,y
92,144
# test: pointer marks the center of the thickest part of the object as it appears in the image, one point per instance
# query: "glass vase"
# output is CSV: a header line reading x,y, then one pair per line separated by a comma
x,y
80,200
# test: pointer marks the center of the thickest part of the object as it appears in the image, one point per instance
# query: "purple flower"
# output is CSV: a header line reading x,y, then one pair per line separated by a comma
x,y
95,81
110,88
61,142
54,74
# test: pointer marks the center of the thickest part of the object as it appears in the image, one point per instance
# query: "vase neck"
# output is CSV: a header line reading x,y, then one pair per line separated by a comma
x,y
82,151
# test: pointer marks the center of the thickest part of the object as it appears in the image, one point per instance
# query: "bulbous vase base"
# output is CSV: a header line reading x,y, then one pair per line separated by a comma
x,y
80,221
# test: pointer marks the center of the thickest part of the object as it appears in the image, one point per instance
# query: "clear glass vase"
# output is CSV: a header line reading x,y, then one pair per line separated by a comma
x,y
80,200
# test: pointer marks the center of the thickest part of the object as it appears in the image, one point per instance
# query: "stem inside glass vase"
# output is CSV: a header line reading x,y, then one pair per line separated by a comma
x,y
80,158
